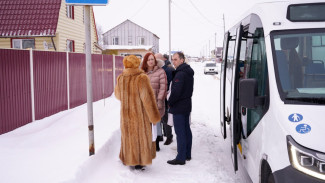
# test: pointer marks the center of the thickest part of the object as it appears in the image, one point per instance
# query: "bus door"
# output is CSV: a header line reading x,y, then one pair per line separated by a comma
x,y
223,117
229,90
253,73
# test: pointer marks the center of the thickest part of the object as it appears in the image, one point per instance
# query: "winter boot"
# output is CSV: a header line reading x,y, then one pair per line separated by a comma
x,y
168,141
160,138
157,145
139,167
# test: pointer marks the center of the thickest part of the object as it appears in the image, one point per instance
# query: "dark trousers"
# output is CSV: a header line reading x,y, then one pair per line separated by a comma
x,y
183,136
167,129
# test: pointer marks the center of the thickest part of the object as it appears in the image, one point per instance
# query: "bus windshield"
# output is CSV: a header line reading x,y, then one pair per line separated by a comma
x,y
299,60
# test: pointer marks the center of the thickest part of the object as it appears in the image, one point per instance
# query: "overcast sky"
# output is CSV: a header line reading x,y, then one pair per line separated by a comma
x,y
194,23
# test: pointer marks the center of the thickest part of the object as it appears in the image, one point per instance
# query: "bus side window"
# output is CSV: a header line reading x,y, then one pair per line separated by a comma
x,y
257,68
242,62
230,59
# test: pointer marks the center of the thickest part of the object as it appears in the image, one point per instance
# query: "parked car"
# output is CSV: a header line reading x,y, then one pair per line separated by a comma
x,y
210,68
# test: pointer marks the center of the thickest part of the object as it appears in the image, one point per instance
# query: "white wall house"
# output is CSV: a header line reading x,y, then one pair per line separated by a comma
x,y
130,38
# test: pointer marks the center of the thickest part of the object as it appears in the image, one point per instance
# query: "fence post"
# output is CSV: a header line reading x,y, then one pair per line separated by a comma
x,y
68,81
31,68
103,95
114,72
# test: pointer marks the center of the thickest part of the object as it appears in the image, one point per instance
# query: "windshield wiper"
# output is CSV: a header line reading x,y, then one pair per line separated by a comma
x,y
308,99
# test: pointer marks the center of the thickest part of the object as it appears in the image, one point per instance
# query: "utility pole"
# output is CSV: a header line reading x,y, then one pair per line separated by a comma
x,y
206,50
169,11
215,45
209,51
224,28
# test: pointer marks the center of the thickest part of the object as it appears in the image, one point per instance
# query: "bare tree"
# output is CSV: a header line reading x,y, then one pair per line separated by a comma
x,y
100,34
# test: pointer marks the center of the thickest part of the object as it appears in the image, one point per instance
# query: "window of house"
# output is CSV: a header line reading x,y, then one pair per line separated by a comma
x,y
115,41
130,40
70,12
70,46
140,40
23,43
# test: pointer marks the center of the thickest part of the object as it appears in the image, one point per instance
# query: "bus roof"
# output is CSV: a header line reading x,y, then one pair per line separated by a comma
x,y
274,15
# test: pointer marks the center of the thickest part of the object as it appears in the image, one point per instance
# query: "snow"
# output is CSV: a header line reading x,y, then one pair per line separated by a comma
x,y
55,149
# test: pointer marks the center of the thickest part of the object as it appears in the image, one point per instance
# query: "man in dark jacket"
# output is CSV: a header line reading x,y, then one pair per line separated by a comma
x,y
180,103
167,62
169,69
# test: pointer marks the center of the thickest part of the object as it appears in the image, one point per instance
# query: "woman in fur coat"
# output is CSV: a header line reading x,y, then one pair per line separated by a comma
x,y
158,80
138,112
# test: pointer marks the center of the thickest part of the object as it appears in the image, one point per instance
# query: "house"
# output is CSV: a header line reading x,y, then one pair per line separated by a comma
x,y
44,25
129,38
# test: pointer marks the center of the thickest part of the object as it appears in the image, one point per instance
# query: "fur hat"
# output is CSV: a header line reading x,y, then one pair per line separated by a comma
x,y
131,61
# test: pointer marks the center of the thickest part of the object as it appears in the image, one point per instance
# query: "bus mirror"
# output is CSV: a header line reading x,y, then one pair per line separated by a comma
x,y
248,93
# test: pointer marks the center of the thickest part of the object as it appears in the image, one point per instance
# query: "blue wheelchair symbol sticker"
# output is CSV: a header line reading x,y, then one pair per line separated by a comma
x,y
295,117
303,128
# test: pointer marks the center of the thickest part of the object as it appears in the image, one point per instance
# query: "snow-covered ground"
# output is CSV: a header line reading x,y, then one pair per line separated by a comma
x,y
55,149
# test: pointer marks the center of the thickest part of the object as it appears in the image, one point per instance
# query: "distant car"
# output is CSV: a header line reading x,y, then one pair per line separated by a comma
x,y
210,68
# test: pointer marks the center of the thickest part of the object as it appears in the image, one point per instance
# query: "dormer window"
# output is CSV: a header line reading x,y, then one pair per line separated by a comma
x,y
130,40
70,11
115,40
140,40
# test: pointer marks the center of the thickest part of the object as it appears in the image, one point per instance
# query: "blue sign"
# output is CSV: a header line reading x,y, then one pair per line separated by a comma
x,y
303,128
86,2
295,117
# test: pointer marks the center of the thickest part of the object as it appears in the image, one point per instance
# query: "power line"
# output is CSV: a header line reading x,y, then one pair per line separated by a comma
x,y
136,13
202,14
199,43
191,14
186,12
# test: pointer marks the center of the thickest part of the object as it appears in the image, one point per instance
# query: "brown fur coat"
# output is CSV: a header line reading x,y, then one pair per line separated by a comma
x,y
138,111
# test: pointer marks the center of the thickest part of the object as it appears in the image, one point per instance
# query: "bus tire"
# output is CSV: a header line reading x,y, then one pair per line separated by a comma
x,y
266,174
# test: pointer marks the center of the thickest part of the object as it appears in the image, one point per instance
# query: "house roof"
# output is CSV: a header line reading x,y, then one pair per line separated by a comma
x,y
21,18
127,47
127,20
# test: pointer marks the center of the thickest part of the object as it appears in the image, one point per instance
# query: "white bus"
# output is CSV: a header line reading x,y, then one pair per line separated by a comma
x,y
273,91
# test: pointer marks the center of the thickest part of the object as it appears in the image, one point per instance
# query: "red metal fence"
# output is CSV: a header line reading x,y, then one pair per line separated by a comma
x,y
59,83
50,83
118,66
108,75
77,79
15,92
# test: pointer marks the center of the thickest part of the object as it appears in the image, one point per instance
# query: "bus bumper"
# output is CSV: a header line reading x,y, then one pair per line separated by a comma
x,y
291,175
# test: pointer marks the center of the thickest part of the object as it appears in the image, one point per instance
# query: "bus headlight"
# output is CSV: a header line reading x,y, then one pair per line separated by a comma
x,y
306,160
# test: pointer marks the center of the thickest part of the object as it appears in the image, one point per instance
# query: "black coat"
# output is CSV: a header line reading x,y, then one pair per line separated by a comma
x,y
180,100
169,72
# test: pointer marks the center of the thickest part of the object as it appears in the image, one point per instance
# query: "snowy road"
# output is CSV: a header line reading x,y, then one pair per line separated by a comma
x,y
55,149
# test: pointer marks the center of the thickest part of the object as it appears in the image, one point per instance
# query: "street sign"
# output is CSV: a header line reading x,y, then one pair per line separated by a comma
x,y
87,6
87,2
